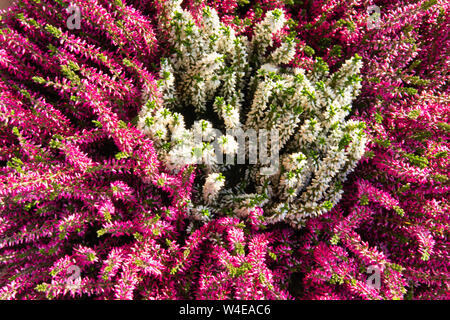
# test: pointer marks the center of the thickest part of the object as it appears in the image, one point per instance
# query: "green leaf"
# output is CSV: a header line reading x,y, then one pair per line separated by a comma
x,y
399,210
39,80
418,161
15,131
309,51
378,117
121,155
364,200
97,123
53,31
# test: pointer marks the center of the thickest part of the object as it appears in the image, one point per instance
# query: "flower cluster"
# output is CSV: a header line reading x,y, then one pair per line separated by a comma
x,y
81,187
397,206
216,80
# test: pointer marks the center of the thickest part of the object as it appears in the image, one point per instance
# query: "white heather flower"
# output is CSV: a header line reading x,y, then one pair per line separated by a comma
x,y
163,116
214,182
294,161
176,122
269,67
203,131
230,116
284,54
272,23
209,80
180,156
208,155
309,131
228,144
201,213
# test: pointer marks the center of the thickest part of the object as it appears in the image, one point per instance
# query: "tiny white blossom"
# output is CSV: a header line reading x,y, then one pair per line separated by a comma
x,y
214,182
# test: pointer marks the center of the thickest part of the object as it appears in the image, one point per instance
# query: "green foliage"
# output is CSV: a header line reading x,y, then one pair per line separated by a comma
x,y
57,33
418,161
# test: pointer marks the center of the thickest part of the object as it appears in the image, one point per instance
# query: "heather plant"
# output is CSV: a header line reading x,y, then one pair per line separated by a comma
x,y
402,185
82,189
216,80
57,189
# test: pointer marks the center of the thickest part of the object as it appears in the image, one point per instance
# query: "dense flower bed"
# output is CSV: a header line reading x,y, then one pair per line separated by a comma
x,y
97,170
